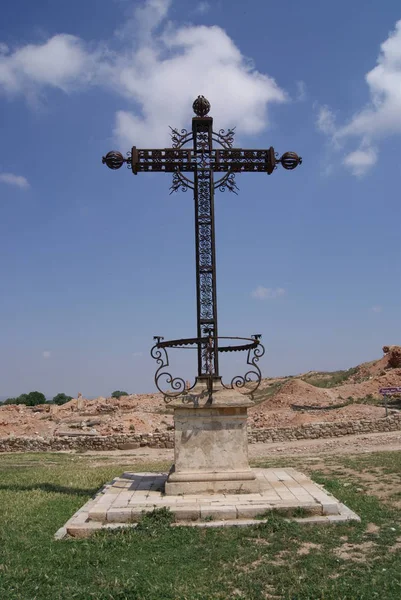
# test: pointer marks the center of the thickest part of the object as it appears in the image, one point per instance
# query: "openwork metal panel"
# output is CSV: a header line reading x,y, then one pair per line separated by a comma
x,y
202,130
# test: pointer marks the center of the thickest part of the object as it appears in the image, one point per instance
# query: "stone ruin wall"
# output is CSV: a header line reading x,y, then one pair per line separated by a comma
x,y
166,439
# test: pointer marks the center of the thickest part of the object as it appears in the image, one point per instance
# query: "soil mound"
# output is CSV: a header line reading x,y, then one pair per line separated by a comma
x,y
283,402
390,378
299,392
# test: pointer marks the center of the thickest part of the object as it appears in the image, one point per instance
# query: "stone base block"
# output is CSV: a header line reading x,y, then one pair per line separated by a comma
x,y
222,486
211,444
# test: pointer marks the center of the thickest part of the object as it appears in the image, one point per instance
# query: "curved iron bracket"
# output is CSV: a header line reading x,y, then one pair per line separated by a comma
x,y
178,386
254,375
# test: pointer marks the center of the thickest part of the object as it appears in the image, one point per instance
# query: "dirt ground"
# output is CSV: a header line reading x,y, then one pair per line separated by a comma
x,y
352,444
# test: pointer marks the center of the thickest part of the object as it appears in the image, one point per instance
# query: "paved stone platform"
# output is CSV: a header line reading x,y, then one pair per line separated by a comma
x,y
123,501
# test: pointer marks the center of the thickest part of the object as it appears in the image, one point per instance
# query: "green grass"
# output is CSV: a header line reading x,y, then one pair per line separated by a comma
x,y
39,492
330,379
264,394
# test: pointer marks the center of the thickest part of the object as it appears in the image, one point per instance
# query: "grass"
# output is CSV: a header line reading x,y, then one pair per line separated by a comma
x,y
393,402
39,492
267,392
330,379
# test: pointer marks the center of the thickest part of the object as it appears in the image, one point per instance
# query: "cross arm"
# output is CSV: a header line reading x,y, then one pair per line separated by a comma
x,y
243,160
167,160
233,160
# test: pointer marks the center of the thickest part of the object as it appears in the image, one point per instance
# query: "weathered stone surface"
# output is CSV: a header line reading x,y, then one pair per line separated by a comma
x,y
211,443
113,507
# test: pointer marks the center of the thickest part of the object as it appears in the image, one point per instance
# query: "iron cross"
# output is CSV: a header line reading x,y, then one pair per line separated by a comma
x,y
203,160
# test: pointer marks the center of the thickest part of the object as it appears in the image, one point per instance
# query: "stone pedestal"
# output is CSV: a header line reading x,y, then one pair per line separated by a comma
x,y
211,444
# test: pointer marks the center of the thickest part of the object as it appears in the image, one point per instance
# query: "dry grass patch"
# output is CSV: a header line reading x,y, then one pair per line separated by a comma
x,y
354,552
306,547
372,528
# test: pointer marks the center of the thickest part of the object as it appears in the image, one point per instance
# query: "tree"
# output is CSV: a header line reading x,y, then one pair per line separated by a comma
x,y
118,394
61,399
31,399
34,398
11,401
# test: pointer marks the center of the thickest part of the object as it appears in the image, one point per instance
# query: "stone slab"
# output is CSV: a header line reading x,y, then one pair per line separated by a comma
x,y
123,502
227,486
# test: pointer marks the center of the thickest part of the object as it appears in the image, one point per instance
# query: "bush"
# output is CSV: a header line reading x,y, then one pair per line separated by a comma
x,y
34,398
11,401
118,394
61,399
31,399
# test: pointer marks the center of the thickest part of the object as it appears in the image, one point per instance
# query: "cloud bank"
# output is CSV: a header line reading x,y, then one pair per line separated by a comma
x,y
159,67
379,118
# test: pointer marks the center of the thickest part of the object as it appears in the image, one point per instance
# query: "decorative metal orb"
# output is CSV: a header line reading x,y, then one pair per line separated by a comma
x,y
201,106
290,160
114,160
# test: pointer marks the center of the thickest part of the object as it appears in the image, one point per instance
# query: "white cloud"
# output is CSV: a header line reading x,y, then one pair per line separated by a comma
x,y
160,68
377,309
263,293
360,161
61,62
46,354
144,19
383,114
325,121
167,74
301,91
380,117
17,180
203,8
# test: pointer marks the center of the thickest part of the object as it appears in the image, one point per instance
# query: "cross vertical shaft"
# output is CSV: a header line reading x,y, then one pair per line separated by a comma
x,y
202,130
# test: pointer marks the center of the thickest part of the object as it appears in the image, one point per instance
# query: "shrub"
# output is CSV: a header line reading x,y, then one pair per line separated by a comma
x,y
31,399
118,394
61,399
11,401
34,398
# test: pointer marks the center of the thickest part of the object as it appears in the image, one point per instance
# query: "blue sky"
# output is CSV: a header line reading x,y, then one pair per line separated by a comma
x,y
93,263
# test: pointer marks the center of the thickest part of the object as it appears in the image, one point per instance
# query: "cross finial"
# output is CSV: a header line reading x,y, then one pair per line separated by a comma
x,y
201,106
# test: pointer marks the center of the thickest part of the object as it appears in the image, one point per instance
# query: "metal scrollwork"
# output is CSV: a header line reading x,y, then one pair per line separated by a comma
x,y
179,138
224,138
129,160
177,384
247,383
252,376
180,182
227,182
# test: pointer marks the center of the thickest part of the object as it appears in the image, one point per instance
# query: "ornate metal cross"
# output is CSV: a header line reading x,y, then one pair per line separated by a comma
x,y
203,160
